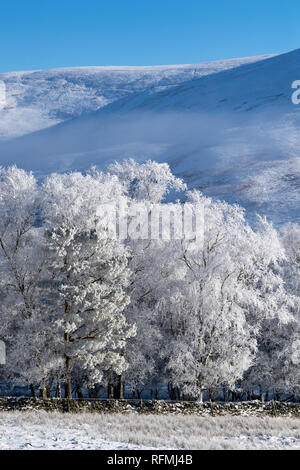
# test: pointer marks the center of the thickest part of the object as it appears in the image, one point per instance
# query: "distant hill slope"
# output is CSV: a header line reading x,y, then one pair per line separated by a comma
x,y
232,133
42,98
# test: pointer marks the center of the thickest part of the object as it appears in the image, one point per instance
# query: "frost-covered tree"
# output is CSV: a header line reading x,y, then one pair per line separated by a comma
x,y
89,272
291,344
24,323
213,311
268,372
147,184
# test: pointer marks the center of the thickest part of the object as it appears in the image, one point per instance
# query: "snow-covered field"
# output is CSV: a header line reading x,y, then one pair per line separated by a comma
x,y
42,430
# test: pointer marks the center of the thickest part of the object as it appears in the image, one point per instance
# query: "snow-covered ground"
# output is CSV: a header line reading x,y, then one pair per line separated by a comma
x,y
42,430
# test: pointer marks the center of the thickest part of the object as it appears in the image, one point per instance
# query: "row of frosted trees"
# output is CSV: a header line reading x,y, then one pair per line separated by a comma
x,y
81,308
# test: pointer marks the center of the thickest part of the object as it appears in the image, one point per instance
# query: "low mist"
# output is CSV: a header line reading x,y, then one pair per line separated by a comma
x,y
190,142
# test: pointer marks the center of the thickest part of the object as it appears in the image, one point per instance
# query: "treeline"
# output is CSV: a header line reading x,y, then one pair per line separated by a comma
x,y
83,305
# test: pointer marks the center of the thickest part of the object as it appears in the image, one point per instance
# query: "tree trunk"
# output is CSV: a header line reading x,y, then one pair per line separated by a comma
x,y
68,384
172,392
43,393
119,388
122,389
43,390
201,395
31,386
110,390
59,394
212,395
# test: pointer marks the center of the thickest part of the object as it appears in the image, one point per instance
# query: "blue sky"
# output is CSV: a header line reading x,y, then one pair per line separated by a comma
x,y
50,33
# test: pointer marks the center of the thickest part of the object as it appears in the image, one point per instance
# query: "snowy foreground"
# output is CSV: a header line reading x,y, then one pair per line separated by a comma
x,y
42,430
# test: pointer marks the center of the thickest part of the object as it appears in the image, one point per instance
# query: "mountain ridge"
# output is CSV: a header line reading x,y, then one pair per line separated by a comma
x,y
41,98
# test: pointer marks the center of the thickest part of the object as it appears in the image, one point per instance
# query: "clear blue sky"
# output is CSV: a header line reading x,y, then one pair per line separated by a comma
x,y
55,33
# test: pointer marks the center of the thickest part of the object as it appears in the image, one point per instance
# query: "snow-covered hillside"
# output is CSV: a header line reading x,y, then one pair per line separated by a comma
x,y
42,98
228,128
